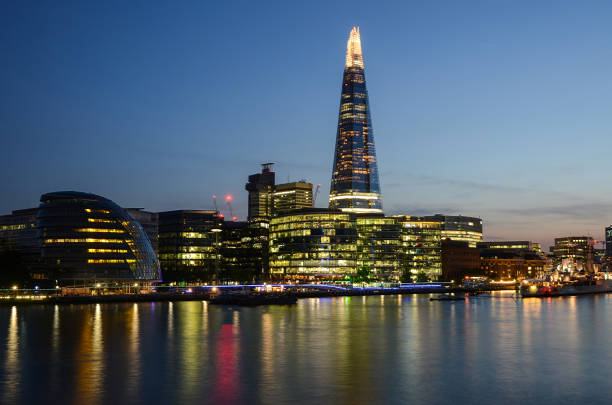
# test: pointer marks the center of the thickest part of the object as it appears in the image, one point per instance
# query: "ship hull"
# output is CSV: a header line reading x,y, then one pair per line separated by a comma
x,y
601,287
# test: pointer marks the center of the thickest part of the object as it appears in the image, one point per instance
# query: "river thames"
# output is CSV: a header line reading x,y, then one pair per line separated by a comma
x,y
346,350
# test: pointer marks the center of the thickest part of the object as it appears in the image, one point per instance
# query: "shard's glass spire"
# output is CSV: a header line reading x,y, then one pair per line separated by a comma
x,y
354,185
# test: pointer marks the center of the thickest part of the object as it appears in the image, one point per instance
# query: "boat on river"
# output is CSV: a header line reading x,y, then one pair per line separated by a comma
x,y
251,300
543,288
448,297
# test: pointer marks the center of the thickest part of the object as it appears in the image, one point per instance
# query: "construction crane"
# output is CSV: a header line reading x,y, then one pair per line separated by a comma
x,y
219,214
228,200
314,198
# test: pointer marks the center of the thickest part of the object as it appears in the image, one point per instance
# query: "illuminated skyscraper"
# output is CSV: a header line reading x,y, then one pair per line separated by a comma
x,y
354,185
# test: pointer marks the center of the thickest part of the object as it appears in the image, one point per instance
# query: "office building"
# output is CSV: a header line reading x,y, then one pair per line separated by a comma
x,y
87,238
378,244
420,250
260,188
244,251
574,254
291,196
18,233
189,245
355,186
459,228
313,244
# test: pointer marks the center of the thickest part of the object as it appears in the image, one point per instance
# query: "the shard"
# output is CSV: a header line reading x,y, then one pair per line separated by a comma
x,y
354,185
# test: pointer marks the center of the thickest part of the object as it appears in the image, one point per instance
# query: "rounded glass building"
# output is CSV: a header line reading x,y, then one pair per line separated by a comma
x,y
86,237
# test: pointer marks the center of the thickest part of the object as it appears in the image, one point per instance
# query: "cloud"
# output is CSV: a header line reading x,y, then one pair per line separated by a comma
x,y
588,211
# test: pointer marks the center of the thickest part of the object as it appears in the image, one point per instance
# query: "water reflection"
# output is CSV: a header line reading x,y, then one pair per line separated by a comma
x,y
90,359
357,350
11,370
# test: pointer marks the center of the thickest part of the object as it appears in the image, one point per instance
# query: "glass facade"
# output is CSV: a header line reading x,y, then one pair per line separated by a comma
x,y
90,238
354,185
378,243
244,251
313,244
574,253
420,250
291,196
459,228
189,244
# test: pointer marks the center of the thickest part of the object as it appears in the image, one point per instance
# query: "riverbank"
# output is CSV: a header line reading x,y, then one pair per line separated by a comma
x,y
205,294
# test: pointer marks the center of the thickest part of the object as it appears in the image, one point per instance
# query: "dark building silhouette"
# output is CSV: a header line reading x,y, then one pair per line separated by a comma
x,y
260,188
609,241
459,260
244,251
18,234
189,245
354,186
88,238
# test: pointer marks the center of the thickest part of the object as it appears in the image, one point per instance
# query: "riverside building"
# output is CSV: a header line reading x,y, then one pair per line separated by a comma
x,y
516,245
355,186
459,228
378,244
313,244
574,253
189,245
18,231
87,238
420,250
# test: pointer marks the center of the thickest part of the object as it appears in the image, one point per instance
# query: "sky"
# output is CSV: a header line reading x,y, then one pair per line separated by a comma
x,y
495,109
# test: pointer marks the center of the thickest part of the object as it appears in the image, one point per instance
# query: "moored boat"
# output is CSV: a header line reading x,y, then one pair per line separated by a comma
x,y
252,300
447,297
542,288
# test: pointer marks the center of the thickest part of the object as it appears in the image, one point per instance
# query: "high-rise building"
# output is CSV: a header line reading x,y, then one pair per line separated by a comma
x,y
291,196
574,253
609,241
459,228
260,188
354,186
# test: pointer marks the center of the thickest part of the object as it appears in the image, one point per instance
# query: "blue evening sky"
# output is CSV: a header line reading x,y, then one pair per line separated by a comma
x,y
498,109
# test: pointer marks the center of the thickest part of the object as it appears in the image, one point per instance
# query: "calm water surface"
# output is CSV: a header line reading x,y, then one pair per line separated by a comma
x,y
359,350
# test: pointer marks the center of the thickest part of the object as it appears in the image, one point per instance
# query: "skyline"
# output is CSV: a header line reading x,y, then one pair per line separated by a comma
x,y
472,116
